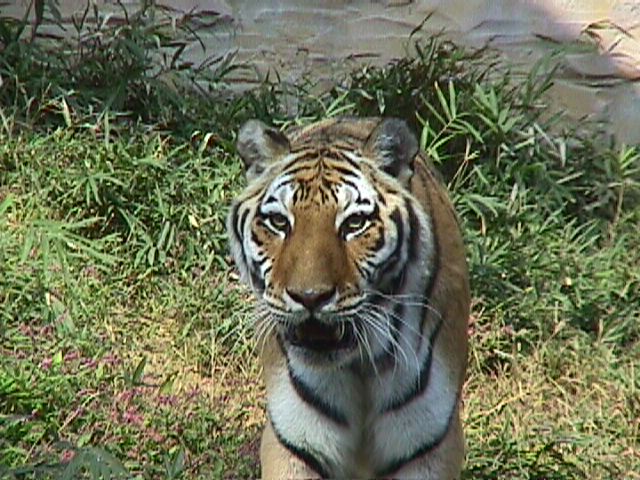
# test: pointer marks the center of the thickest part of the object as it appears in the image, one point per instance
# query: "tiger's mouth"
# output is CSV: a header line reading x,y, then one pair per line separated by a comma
x,y
320,337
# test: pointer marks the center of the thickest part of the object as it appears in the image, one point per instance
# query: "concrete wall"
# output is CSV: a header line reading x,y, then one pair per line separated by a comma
x,y
295,37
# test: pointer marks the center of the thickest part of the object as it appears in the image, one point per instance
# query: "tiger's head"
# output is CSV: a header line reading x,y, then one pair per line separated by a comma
x,y
325,230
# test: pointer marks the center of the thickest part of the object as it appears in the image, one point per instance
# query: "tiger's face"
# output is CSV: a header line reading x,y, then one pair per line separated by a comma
x,y
321,234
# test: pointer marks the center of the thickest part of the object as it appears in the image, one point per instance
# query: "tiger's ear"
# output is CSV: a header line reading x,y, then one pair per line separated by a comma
x,y
394,146
258,145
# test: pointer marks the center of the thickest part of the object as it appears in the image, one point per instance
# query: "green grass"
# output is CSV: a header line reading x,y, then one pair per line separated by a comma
x,y
125,351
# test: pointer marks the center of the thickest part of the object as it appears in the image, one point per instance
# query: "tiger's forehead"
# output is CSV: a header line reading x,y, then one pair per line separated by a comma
x,y
320,181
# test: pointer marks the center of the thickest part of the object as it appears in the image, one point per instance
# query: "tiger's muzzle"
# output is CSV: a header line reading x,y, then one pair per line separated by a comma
x,y
318,330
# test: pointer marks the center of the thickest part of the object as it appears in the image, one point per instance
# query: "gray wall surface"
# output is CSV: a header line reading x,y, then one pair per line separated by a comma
x,y
321,38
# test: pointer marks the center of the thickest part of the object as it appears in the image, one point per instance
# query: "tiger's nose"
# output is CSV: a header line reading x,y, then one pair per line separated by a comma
x,y
312,299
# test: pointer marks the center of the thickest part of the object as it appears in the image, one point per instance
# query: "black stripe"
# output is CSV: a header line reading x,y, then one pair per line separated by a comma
x,y
420,451
240,222
350,183
380,196
334,193
281,182
325,183
302,156
297,194
423,377
254,237
280,341
435,261
331,153
392,259
343,157
237,224
380,241
375,213
398,316
361,270
395,284
414,233
304,150
256,280
260,261
294,170
344,171
307,394
306,160
300,144
304,455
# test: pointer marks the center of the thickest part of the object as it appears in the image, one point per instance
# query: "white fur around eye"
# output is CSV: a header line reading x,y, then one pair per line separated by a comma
x,y
354,203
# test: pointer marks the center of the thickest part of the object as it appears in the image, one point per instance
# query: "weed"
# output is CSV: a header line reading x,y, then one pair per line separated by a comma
x,y
131,67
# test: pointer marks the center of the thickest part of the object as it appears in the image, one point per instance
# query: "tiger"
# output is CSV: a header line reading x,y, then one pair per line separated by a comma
x,y
347,238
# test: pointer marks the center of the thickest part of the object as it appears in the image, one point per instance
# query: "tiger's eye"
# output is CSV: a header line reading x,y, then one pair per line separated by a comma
x,y
278,221
353,223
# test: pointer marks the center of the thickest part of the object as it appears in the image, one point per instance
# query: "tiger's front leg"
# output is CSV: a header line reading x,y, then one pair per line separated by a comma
x,y
278,462
443,463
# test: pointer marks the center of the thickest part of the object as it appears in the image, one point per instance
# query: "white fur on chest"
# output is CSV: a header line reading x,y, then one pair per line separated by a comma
x,y
303,425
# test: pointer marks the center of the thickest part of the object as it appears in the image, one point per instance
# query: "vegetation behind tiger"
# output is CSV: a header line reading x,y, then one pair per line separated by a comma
x,y
125,351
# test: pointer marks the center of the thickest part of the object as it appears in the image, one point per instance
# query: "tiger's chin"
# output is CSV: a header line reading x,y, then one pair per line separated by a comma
x,y
320,344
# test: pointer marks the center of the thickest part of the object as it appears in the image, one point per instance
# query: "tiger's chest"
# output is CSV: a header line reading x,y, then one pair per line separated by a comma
x,y
361,422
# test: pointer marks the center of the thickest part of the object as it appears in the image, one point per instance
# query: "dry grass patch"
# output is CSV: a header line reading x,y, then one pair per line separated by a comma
x,y
568,408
